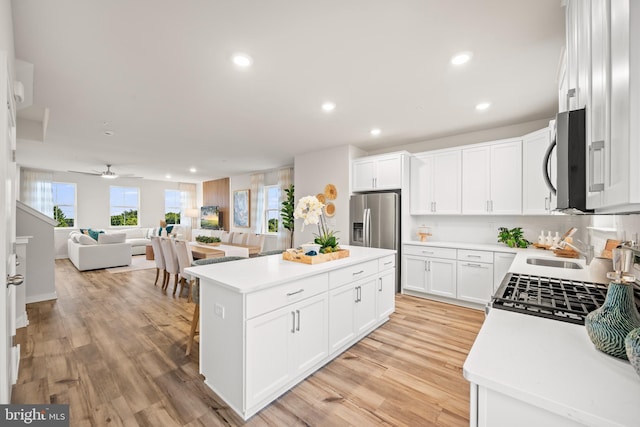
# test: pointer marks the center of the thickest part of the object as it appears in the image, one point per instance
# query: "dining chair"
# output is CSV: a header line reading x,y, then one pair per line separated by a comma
x,y
195,295
185,258
159,259
256,240
226,237
170,261
239,238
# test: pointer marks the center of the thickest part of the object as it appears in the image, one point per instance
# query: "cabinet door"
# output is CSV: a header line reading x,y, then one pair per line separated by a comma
x,y
311,336
386,294
415,273
363,174
269,361
388,173
441,277
446,182
506,178
476,178
365,308
421,185
536,197
475,281
342,328
501,264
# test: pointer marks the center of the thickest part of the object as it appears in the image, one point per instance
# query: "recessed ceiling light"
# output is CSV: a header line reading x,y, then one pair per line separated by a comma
x,y
242,60
461,58
167,176
109,132
329,106
483,106
193,170
375,131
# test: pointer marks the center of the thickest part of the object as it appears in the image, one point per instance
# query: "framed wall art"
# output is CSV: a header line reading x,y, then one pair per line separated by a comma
x,y
241,208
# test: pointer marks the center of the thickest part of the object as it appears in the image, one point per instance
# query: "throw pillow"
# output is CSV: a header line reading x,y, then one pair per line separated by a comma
x,y
84,239
169,229
95,233
74,236
84,231
105,239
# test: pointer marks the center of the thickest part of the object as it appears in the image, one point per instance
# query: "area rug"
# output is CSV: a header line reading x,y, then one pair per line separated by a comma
x,y
138,262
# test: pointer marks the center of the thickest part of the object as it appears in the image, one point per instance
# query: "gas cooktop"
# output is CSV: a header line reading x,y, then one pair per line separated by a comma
x,y
559,299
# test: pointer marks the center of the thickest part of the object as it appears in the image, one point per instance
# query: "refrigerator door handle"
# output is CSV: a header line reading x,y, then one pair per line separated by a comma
x,y
367,227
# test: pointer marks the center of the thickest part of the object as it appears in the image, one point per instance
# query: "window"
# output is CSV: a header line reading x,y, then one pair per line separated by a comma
x,y
124,206
271,208
172,206
64,204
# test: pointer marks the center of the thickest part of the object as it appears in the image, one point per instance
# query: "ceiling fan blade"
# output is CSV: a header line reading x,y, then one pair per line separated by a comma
x,y
86,173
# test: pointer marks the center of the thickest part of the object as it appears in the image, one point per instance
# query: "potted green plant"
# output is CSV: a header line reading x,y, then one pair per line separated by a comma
x,y
286,213
513,238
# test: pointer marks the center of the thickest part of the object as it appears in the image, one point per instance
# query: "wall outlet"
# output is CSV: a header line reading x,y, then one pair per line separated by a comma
x,y
219,310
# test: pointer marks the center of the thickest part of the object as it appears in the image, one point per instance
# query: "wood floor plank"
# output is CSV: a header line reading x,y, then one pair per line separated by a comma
x,y
112,346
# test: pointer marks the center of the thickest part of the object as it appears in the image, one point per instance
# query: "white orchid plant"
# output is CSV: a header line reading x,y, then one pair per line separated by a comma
x,y
310,210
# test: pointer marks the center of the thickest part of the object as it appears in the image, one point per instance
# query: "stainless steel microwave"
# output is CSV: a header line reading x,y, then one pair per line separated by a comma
x,y
569,141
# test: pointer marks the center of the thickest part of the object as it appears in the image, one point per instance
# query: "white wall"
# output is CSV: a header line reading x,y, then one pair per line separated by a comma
x,y
315,170
6,33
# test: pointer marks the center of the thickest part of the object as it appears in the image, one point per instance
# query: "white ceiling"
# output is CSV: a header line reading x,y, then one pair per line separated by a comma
x,y
159,72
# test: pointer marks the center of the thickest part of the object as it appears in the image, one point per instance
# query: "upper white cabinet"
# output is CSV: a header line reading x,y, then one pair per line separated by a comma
x,y
536,196
602,64
383,172
435,183
492,178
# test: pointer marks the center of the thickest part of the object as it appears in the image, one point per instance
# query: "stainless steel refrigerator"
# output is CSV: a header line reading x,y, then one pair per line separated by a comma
x,y
375,223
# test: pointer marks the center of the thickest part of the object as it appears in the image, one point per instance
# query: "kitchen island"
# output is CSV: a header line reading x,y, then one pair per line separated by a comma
x,y
266,323
531,371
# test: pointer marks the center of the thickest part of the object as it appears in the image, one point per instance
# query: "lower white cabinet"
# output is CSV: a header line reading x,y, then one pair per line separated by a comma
x,y
431,275
386,294
501,263
283,344
352,310
475,281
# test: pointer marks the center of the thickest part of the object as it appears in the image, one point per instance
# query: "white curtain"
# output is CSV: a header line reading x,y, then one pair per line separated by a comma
x,y
284,181
36,190
257,202
187,204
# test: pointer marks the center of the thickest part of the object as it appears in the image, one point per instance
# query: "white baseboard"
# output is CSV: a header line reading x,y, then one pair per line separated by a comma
x,y
41,297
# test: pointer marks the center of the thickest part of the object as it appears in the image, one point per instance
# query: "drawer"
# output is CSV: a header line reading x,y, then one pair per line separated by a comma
x,y
282,295
386,263
430,251
352,273
477,256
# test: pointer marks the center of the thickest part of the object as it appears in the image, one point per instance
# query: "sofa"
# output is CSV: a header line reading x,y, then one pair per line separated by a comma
x,y
110,250
140,237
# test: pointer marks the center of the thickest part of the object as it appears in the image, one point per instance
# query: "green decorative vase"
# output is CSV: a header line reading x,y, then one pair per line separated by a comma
x,y
632,344
609,325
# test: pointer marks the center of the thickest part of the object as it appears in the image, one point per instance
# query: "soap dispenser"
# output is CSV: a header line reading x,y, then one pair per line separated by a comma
x,y
556,239
549,239
541,239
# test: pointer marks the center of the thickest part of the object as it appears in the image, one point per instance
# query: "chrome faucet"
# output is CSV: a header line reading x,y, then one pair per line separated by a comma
x,y
587,253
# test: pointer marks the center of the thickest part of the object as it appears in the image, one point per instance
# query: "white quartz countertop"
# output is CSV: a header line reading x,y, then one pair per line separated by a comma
x,y
497,247
253,274
553,365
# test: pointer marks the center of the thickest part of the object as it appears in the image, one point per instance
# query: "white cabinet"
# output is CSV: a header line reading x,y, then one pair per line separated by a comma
x,y
283,344
383,172
386,301
501,263
602,64
536,196
475,276
435,183
430,270
492,178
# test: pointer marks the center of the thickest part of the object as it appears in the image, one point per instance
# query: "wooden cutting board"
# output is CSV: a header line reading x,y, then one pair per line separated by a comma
x,y
611,244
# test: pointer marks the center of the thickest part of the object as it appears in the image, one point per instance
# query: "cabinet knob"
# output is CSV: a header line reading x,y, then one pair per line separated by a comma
x,y
15,280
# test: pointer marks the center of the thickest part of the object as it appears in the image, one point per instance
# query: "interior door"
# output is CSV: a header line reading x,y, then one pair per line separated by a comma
x,y
8,354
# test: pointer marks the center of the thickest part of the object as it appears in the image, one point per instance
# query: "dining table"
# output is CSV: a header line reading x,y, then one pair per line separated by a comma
x,y
202,250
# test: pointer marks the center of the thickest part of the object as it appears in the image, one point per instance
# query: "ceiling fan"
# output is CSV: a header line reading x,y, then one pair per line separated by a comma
x,y
108,174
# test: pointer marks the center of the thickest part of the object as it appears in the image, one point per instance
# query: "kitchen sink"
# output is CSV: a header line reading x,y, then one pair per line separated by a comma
x,y
547,262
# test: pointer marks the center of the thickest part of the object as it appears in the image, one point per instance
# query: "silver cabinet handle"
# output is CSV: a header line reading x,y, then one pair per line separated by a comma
x,y
427,252
547,203
293,322
357,272
474,256
296,292
380,288
474,265
15,280
298,314
594,186
428,265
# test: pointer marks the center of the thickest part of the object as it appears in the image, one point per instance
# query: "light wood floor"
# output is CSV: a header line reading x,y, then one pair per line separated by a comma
x,y
113,347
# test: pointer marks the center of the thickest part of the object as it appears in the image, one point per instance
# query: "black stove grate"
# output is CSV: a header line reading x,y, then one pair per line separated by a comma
x,y
558,299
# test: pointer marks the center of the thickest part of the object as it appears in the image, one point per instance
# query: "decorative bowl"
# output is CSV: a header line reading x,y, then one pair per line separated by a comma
x,y
308,247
